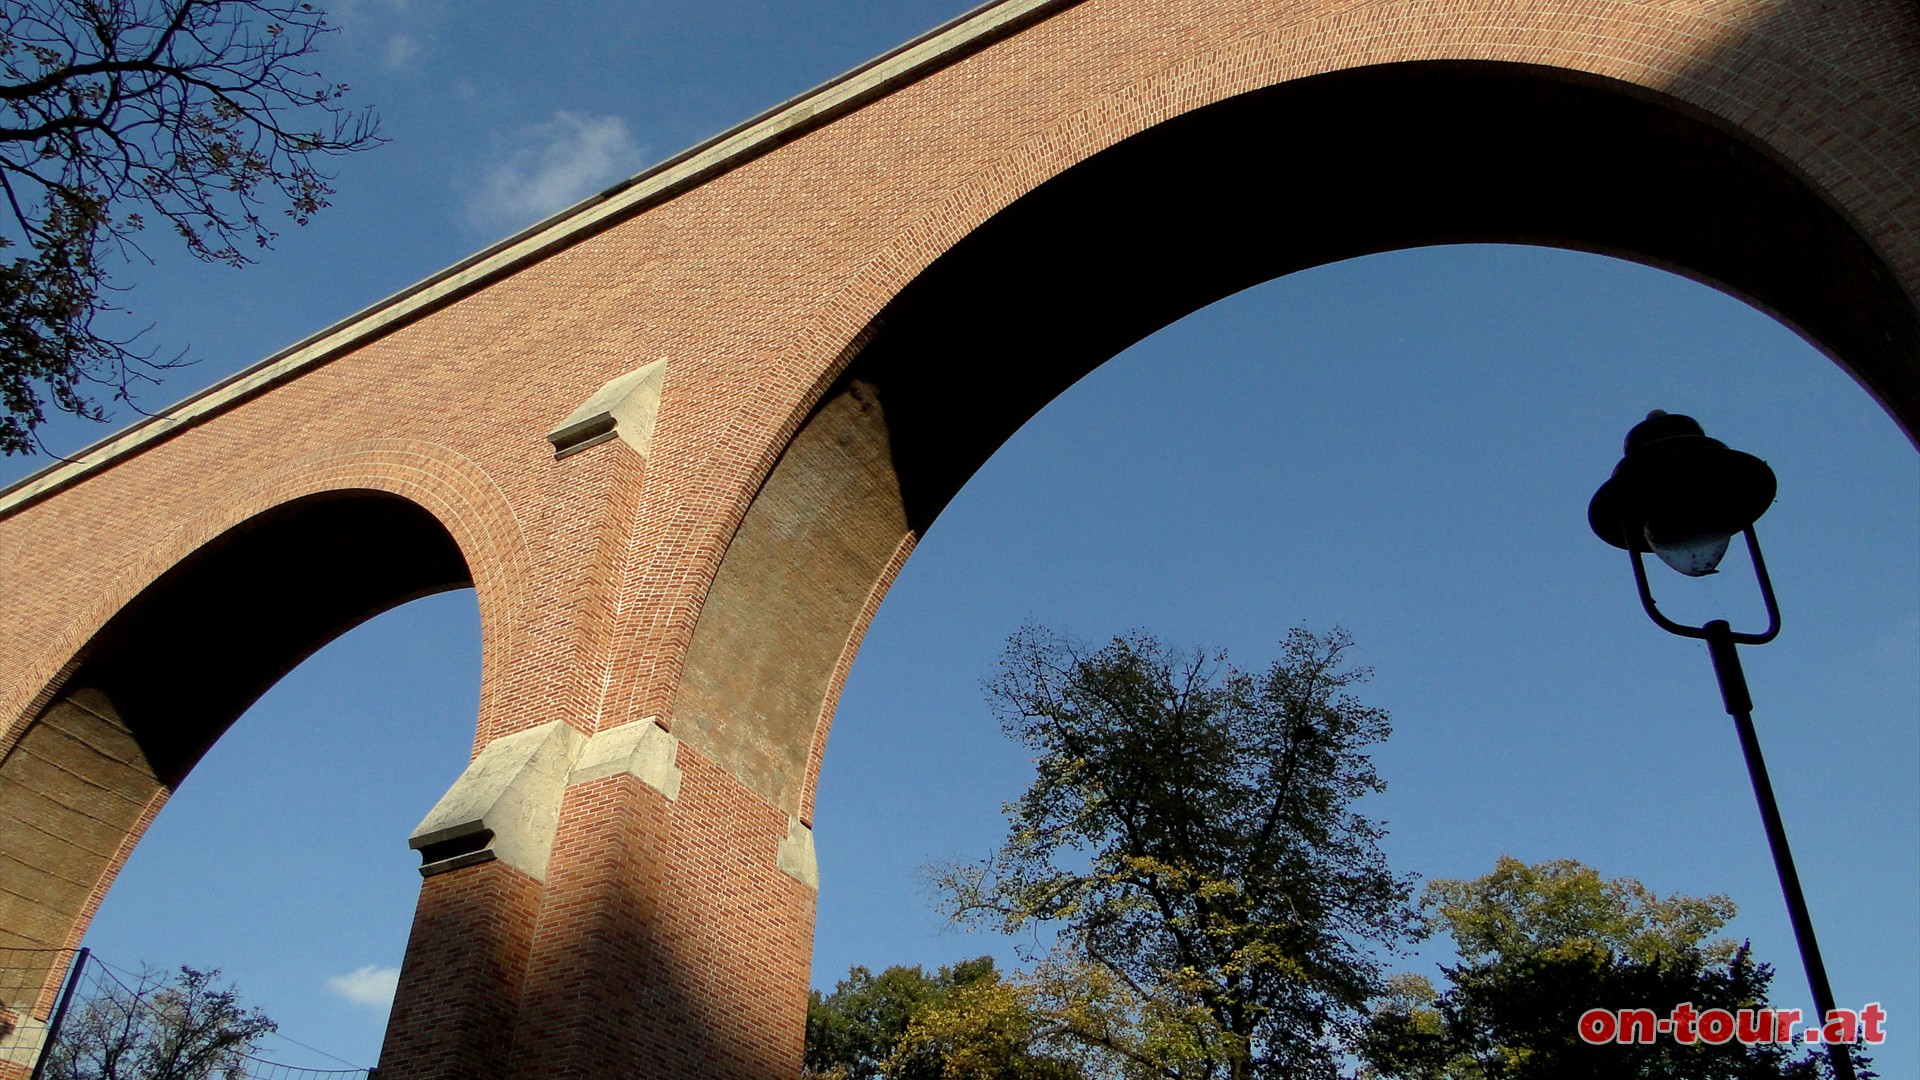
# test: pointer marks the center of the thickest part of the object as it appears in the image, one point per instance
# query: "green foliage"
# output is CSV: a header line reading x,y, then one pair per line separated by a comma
x,y
186,1028
1190,835
1542,944
852,1030
983,1030
1560,906
963,1023
198,116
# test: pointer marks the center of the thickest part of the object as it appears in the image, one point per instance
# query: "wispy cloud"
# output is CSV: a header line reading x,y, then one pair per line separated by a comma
x,y
396,32
552,166
370,985
401,49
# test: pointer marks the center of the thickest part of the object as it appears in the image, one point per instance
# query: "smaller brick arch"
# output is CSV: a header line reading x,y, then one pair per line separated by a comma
x,y
158,681
453,489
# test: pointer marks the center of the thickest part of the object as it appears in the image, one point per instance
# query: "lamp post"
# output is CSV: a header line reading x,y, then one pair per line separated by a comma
x,y
1683,496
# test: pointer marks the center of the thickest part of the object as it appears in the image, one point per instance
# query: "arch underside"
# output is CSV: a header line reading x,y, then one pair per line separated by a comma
x,y
1158,226
167,675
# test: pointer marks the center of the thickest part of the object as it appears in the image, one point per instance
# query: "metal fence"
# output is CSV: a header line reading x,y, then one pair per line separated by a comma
x,y
63,1010
29,981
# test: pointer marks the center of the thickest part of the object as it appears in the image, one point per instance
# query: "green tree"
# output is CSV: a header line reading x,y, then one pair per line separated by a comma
x,y
1539,945
987,1029
1561,907
965,1022
199,116
1190,837
189,1027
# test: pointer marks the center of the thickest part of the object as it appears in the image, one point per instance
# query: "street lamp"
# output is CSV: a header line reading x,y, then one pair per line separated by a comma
x,y
1683,496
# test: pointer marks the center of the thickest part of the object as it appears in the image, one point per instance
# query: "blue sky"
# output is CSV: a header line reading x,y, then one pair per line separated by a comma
x,y
1403,445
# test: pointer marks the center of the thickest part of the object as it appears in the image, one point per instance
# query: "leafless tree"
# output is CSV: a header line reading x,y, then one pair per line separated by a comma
x,y
204,118
187,1027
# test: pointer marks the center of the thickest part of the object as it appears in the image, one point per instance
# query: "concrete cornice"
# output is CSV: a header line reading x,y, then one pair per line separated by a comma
x,y
924,55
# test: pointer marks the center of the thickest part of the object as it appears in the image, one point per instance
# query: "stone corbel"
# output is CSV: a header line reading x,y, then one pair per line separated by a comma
x,y
796,855
505,806
642,748
623,409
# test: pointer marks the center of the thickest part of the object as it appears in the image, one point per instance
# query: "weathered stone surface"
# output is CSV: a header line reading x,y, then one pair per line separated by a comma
x,y
505,805
642,749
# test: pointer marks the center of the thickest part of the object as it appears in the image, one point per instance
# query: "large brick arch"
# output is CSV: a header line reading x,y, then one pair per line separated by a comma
x,y
684,435
1767,74
1180,215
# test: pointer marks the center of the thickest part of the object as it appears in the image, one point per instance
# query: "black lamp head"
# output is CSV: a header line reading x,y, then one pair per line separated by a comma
x,y
1680,494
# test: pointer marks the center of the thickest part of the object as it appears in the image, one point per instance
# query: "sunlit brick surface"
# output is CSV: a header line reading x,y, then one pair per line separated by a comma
x,y
706,588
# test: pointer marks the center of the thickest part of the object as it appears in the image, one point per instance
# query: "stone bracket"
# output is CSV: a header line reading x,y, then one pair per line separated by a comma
x,y
642,748
623,409
505,806
796,855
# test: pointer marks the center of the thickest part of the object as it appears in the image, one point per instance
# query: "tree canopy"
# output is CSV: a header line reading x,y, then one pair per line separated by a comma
x,y
964,1022
1191,838
200,117
1541,944
1561,907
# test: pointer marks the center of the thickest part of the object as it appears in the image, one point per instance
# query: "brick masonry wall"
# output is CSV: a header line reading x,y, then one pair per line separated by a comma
x,y
453,1012
664,941
668,936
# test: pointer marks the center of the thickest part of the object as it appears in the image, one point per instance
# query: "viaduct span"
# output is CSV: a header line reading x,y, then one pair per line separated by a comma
x,y
681,437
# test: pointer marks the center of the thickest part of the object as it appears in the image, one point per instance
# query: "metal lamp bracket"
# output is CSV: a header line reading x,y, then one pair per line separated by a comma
x,y
1718,627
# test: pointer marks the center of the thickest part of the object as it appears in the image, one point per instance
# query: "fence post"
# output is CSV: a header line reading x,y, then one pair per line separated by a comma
x,y
60,1011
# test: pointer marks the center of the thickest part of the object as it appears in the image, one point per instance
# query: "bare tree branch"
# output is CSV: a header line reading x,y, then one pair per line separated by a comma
x,y
199,116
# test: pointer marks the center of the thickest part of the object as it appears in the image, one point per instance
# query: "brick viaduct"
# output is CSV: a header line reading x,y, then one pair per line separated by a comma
x,y
681,437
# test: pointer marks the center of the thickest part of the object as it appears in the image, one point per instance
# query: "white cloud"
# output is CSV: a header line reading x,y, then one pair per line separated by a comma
x,y
557,163
401,49
370,985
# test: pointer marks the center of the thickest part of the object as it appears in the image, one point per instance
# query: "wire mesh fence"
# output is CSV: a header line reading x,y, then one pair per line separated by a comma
x,y
262,1069
30,981
64,1013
